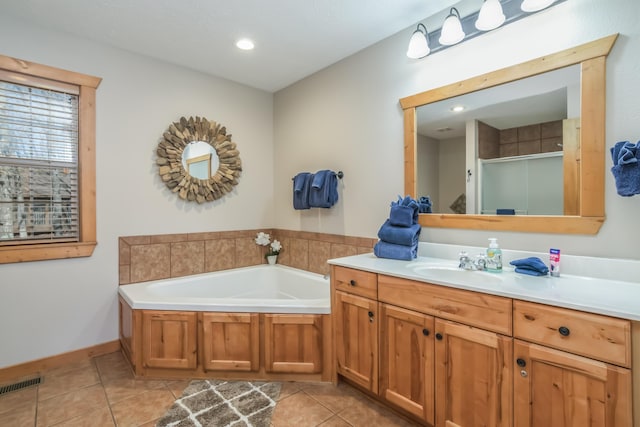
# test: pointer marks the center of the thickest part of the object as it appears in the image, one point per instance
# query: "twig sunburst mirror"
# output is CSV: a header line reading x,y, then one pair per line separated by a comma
x,y
198,160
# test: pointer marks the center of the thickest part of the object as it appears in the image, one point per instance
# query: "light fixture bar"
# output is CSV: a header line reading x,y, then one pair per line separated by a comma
x,y
511,9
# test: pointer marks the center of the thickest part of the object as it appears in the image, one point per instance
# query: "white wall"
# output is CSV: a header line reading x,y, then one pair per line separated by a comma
x,y
348,116
52,307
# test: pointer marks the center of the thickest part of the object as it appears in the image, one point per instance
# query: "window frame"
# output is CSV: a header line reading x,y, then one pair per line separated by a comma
x,y
30,73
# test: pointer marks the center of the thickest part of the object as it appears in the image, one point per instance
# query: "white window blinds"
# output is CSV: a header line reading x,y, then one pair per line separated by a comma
x,y
38,165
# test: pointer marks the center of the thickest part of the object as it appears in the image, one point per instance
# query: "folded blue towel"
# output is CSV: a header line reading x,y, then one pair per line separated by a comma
x,y
505,211
404,212
407,236
301,184
393,251
323,192
626,168
424,204
532,266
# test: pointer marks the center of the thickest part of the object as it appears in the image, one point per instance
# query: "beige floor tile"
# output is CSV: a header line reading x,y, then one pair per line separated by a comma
x,y
18,400
289,388
62,381
299,410
70,405
19,417
121,389
113,366
335,421
142,408
177,387
366,413
334,398
97,418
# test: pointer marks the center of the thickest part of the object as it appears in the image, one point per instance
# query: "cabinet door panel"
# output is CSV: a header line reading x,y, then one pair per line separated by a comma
x,y
407,360
169,339
473,376
555,388
356,331
293,343
231,341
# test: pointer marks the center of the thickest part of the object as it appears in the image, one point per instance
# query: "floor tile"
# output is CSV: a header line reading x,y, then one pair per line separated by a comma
x,y
20,417
365,412
70,405
18,400
121,389
177,387
299,410
62,381
334,398
142,408
289,388
97,418
113,366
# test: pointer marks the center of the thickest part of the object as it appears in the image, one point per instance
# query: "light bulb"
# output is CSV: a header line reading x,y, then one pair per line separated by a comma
x,y
491,16
451,32
535,5
418,44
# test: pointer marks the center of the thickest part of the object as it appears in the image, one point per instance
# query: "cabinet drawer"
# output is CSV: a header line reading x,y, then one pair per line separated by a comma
x,y
356,282
471,308
592,335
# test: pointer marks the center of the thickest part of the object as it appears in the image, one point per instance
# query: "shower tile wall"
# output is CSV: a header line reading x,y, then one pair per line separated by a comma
x,y
143,258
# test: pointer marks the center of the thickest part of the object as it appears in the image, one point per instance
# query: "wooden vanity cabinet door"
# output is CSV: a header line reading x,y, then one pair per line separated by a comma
x,y
407,360
293,343
356,339
560,389
231,341
474,376
169,339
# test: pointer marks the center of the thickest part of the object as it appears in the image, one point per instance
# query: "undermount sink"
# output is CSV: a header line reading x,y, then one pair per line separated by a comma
x,y
454,274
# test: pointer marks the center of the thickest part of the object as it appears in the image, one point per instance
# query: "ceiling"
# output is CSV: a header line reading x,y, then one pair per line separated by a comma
x,y
293,38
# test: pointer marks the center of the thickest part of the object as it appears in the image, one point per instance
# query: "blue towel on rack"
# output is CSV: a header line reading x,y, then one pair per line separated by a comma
x,y
404,212
301,184
424,204
626,167
407,236
323,192
533,266
393,251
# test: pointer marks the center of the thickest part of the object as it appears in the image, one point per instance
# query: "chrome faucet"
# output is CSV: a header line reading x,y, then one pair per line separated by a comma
x,y
466,263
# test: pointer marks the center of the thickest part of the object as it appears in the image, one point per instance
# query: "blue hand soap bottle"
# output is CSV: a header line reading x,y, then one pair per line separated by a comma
x,y
494,256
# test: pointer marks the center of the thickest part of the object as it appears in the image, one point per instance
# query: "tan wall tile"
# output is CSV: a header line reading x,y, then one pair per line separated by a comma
x,y
187,258
508,136
169,238
299,254
509,150
150,262
247,252
338,251
124,275
219,254
529,133
528,147
124,252
319,253
137,240
551,129
551,144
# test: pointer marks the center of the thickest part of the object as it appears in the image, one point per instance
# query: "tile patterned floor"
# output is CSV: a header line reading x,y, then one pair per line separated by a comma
x,y
103,392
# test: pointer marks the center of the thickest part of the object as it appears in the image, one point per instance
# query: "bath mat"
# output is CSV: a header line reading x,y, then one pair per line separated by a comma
x,y
221,403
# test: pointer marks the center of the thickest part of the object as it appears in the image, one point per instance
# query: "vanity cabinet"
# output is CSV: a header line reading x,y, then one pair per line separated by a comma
x,y
169,339
231,342
293,343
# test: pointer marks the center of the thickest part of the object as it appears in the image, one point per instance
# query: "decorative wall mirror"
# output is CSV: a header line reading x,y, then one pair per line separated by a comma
x,y
584,163
198,160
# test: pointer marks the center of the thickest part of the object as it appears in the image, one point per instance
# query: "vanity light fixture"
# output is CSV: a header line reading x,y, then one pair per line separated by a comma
x,y
245,44
490,16
419,43
457,108
535,5
451,29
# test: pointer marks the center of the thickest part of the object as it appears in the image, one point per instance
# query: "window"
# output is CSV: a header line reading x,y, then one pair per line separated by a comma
x,y
47,162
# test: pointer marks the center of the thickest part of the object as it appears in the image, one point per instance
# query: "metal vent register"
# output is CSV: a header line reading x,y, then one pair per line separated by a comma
x,y
20,385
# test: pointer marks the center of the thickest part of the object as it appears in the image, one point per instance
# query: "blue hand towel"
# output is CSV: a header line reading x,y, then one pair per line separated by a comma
x,y
407,236
323,192
626,168
424,204
393,251
505,211
532,266
404,212
301,184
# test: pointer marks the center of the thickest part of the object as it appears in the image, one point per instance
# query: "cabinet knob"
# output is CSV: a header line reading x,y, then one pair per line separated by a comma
x,y
371,316
564,331
439,336
521,362
352,282
425,332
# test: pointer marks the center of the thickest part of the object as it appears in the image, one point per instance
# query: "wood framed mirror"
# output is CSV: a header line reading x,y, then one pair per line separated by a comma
x,y
589,215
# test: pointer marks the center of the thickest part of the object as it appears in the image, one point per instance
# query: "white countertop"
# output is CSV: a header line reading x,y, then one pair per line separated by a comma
x,y
596,295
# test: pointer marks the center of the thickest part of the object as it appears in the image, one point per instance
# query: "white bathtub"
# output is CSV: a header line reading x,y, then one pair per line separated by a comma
x,y
257,289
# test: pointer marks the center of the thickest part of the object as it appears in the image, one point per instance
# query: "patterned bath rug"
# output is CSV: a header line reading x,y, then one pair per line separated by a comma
x,y
221,403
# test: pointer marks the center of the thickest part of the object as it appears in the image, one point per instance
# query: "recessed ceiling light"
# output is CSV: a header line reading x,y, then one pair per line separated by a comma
x,y
245,44
457,108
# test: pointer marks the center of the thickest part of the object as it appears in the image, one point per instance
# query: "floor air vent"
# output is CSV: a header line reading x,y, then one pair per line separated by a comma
x,y
20,385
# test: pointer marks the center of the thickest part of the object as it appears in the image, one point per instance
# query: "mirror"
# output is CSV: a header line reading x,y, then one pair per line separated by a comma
x,y
500,147
583,182
197,160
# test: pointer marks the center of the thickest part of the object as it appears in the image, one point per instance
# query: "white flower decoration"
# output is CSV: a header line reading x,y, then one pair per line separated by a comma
x,y
263,239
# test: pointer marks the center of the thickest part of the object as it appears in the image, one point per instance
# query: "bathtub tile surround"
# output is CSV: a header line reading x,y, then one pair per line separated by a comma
x,y
224,402
144,258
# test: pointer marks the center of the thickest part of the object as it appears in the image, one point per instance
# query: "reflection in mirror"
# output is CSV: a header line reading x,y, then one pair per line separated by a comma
x,y
200,159
500,150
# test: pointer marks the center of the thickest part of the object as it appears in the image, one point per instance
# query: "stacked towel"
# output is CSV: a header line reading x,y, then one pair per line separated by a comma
x,y
301,185
626,167
533,266
399,234
324,189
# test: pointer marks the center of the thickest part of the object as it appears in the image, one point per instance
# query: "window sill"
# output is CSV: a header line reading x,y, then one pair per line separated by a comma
x,y
40,252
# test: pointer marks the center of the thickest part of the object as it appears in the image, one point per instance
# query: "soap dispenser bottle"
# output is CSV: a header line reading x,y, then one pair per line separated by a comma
x,y
494,256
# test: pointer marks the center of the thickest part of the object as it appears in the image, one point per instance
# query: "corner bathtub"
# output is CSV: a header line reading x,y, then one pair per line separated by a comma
x,y
256,289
